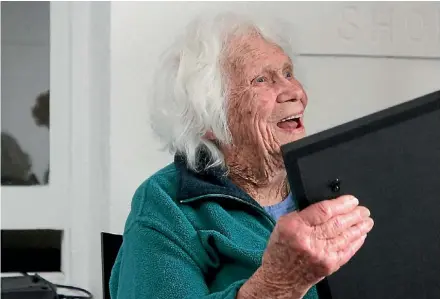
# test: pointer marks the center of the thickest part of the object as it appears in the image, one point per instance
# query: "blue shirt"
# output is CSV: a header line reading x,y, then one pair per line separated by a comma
x,y
286,206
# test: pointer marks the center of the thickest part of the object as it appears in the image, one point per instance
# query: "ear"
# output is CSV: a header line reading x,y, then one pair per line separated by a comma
x,y
210,136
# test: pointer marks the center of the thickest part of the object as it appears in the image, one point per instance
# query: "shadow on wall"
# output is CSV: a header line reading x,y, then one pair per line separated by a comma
x,y
16,167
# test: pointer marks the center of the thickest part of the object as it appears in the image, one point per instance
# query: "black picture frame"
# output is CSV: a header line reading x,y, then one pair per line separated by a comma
x,y
322,166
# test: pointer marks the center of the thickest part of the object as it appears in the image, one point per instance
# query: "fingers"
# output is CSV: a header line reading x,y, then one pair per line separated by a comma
x,y
340,223
322,211
334,260
346,254
349,236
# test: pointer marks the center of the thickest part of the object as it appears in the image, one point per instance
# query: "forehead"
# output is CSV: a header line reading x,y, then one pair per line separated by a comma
x,y
251,54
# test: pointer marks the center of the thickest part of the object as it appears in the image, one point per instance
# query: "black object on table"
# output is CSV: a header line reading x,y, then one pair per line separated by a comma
x,y
34,286
26,287
390,161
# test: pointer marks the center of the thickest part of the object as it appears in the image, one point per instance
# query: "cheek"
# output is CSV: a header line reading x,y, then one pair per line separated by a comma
x,y
241,116
249,111
241,107
257,106
265,100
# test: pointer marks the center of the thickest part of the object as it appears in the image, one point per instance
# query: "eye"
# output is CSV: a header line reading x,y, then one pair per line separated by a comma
x,y
288,74
260,79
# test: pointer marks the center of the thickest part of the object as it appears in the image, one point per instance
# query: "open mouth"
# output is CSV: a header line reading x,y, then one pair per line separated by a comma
x,y
291,123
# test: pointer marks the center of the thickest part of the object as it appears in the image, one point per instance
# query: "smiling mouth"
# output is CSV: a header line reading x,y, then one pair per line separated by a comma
x,y
293,122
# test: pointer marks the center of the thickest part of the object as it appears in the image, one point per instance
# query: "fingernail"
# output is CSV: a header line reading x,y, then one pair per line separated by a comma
x,y
365,213
369,223
354,200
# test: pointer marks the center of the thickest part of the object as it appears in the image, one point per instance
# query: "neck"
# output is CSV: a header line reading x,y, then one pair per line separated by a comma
x,y
264,179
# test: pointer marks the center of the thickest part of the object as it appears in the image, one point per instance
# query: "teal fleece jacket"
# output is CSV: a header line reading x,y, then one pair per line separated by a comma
x,y
190,235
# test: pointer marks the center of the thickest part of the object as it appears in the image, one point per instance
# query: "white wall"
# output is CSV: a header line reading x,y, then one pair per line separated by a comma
x,y
25,74
356,58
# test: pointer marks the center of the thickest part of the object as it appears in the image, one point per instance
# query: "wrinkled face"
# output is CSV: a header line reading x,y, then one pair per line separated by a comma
x,y
266,103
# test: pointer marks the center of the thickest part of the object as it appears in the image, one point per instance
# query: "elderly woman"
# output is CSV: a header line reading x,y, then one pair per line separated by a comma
x,y
220,222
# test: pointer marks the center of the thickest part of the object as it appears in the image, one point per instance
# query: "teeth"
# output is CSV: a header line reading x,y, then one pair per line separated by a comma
x,y
292,117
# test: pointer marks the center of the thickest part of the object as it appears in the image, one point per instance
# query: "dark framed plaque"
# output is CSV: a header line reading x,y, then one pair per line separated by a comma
x,y
390,161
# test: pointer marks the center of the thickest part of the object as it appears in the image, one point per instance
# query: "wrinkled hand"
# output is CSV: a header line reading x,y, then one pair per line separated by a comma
x,y
307,246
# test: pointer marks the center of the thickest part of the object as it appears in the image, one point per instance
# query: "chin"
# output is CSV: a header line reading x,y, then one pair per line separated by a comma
x,y
288,137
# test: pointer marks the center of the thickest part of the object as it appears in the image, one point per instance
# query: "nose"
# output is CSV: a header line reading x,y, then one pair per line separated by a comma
x,y
292,92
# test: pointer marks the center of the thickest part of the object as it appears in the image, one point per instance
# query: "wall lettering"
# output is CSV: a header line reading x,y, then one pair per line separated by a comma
x,y
390,24
382,29
349,28
415,25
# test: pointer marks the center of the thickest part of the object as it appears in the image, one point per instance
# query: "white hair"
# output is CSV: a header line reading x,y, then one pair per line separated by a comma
x,y
190,92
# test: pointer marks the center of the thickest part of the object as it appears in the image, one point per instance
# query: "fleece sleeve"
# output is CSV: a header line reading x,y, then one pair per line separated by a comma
x,y
153,266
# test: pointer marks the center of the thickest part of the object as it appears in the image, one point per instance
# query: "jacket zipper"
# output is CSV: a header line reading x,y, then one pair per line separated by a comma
x,y
260,210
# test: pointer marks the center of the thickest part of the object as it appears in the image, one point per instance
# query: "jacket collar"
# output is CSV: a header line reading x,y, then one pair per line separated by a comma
x,y
193,186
